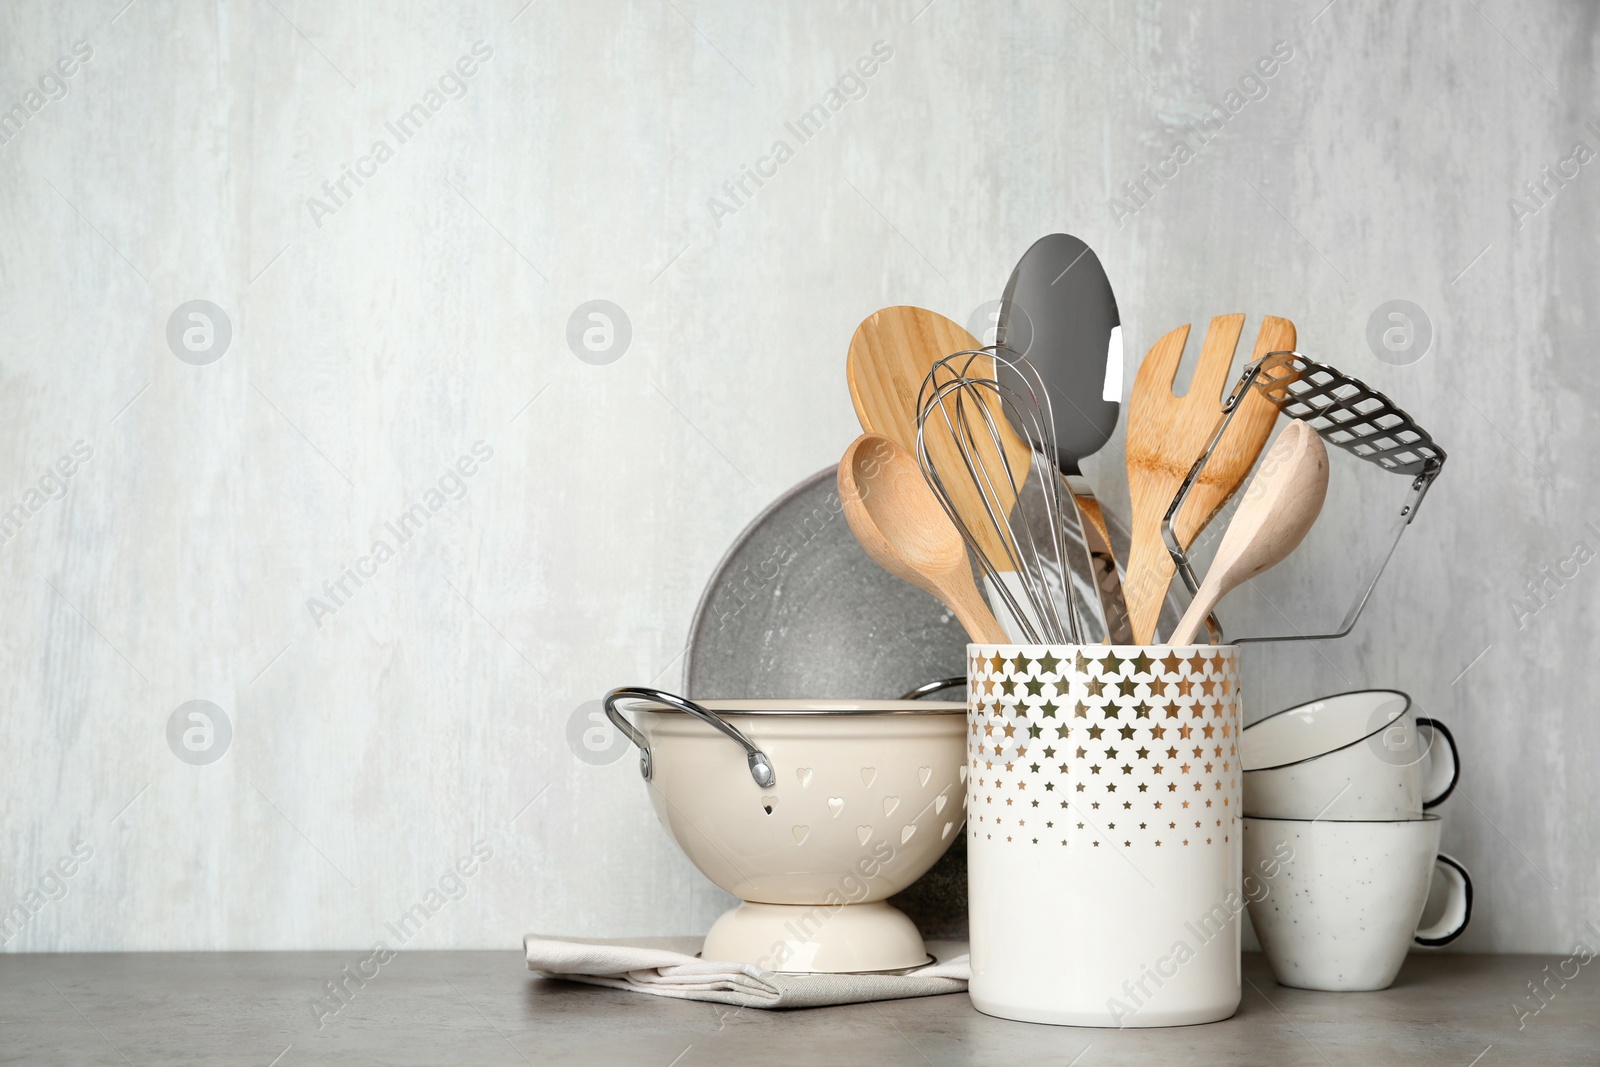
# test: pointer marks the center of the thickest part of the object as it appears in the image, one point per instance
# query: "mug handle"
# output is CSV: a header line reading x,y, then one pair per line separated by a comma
x,y
1457,913
1438,729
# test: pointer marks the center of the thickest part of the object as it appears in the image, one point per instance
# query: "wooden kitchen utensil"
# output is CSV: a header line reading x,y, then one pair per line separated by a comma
x,y
1283,500
902,526
1167,433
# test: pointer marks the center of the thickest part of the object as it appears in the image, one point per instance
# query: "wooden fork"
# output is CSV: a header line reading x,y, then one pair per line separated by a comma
x,y
1167,433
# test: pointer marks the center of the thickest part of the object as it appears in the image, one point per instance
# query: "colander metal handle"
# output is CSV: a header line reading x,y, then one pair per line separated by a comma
x,y
929,688
760,766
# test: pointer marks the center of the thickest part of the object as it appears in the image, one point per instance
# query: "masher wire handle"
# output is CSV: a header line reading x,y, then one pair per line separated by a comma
x,y
1419,488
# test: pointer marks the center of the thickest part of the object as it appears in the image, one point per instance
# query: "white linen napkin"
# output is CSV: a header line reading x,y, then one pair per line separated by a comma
x,y
667,967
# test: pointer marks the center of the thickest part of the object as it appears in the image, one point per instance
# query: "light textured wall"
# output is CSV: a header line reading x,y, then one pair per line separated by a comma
x,y
377,339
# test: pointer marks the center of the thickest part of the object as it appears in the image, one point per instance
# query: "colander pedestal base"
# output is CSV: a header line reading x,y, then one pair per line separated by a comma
x,y
813,938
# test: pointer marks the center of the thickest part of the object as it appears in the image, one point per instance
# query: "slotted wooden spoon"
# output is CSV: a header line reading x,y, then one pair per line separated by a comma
x,y
1167,433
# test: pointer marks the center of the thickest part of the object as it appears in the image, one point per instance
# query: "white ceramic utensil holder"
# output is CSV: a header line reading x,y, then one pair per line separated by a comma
x,y
1104,846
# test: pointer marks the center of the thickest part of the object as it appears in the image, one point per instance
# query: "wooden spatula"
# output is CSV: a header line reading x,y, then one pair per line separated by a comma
x,y
1166,434
890,355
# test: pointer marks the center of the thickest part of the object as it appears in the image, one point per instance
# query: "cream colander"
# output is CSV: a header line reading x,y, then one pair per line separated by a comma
x,y
812,812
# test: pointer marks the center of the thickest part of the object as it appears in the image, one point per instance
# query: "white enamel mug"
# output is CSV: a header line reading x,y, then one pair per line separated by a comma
x,y
1361,755
1338,903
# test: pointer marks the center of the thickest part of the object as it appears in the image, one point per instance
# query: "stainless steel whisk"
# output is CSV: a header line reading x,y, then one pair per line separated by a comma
x,y
1023,502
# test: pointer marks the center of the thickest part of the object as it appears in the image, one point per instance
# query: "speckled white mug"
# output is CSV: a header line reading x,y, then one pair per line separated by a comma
x,y
1358,755
1339,902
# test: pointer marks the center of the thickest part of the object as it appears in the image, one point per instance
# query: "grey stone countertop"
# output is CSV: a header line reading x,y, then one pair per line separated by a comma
x,y
485,1008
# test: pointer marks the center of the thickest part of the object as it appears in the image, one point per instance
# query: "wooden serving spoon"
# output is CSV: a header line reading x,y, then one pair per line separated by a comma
x,y
904,528
1166,434
1283,500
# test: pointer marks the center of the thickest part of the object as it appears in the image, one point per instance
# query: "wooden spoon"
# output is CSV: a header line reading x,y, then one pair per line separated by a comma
x,y
904,528
1166,434
890,355
1282,502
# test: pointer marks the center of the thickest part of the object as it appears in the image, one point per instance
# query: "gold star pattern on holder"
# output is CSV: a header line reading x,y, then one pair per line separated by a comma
x,y
1132,706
